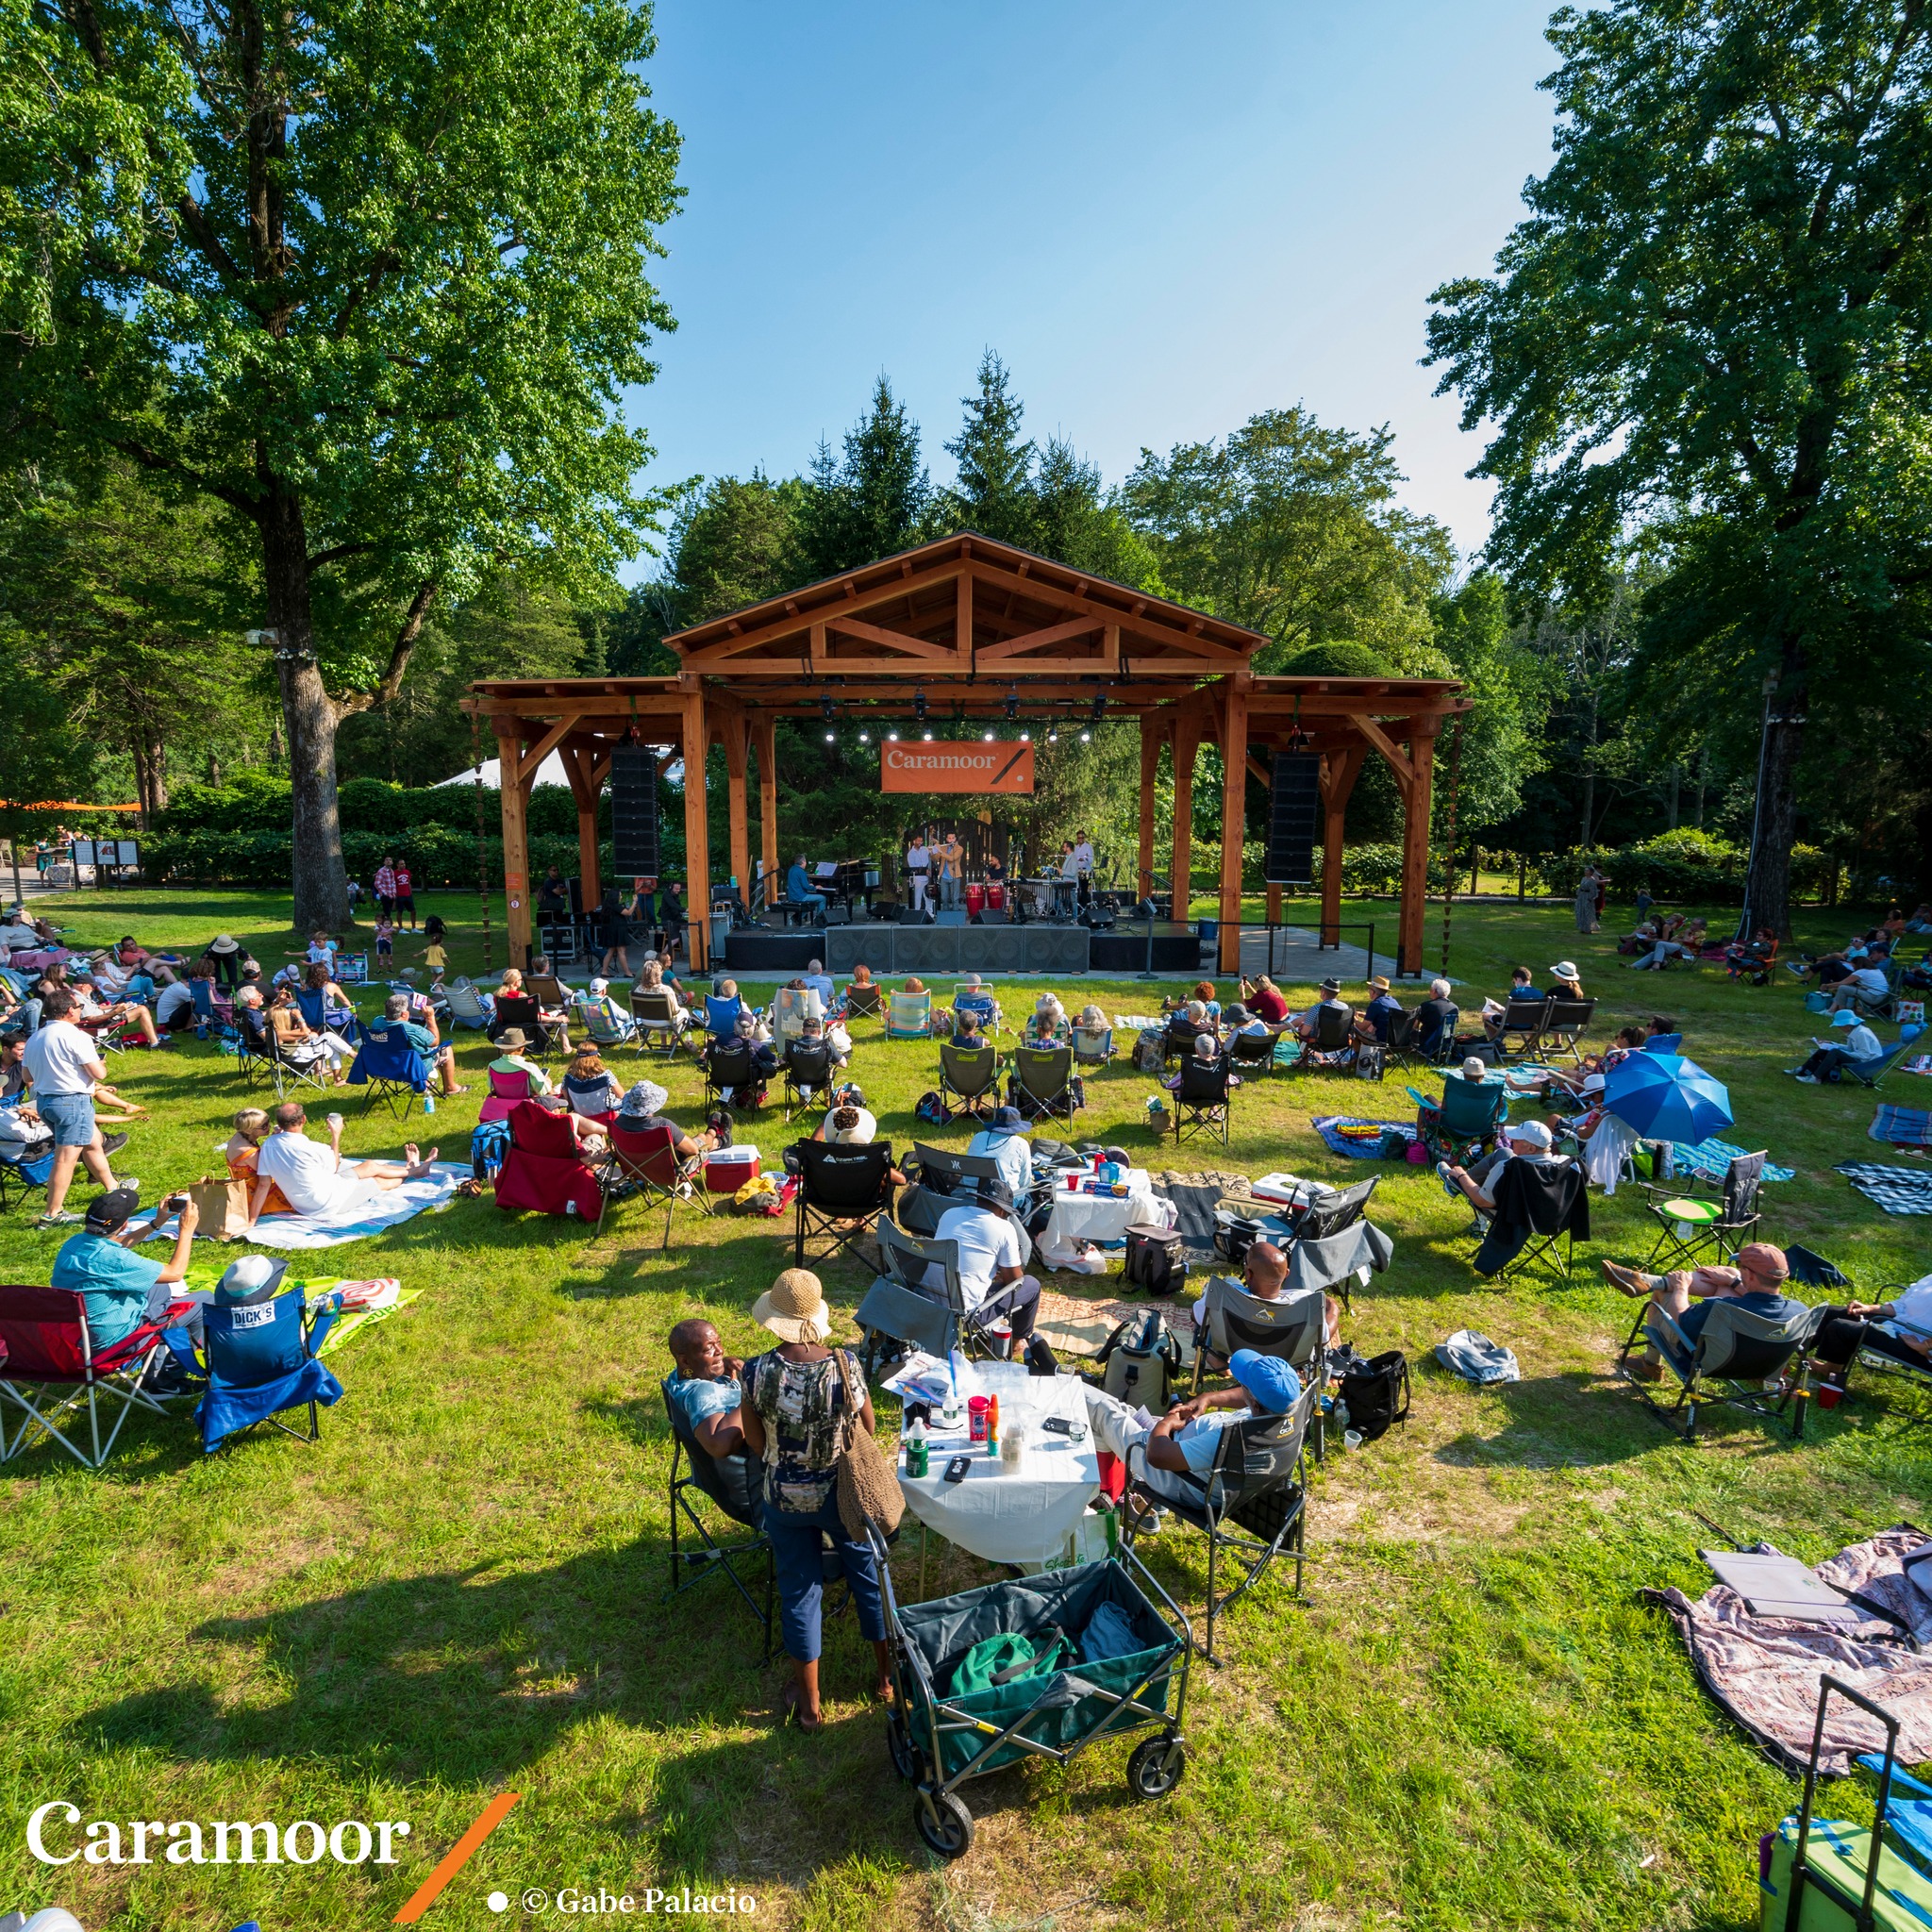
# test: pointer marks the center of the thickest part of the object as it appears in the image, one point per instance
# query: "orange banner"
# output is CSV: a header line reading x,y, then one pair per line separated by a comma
x,y
1005,769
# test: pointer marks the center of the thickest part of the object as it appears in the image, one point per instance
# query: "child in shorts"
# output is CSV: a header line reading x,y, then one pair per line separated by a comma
x,y
385,938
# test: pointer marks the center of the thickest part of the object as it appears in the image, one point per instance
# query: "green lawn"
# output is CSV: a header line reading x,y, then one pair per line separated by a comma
x,y
1472,1722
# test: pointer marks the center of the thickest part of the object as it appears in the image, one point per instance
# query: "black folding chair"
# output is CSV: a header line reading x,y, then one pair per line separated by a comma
x,y
732,1485
843,1187
970,1074
1331,1215
1334,1044
1042,1082
1201,1101
1565,1023
1692,1222
808,1074
1735,1355
1251,1054
1523,1024
1251,1506
1544,1236
863,1002
522,1009
730,1067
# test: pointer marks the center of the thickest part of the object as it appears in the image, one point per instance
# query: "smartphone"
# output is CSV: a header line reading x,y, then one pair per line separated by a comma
x,y
1056,1425
956,1470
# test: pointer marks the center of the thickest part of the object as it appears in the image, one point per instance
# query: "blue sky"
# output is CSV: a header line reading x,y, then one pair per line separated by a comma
x,y
1165,218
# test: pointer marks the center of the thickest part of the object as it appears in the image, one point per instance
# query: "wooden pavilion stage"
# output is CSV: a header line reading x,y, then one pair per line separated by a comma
x,y
1039,947
1006,639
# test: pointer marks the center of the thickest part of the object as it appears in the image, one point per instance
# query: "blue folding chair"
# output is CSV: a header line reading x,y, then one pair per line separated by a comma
x,y
720,1016
324,1018
392,1069
260,1361
1663,1043
20,1177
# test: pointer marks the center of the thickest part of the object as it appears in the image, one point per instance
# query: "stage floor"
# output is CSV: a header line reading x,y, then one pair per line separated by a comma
x,y
890,949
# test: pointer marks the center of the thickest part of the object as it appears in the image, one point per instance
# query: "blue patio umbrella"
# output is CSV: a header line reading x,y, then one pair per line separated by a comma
x,y
1667,1098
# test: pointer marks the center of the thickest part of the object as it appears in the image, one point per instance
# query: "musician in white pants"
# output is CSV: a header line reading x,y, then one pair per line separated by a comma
x,y
918,869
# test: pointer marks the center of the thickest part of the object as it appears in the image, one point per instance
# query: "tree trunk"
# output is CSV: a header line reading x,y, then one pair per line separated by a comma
x,y
1676,779
1703,774
1769,886
321,882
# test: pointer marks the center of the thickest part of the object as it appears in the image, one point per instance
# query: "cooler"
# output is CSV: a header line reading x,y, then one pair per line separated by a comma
x,y
728,1169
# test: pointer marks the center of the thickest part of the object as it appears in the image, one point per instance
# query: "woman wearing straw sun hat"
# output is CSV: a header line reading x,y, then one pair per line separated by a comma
x,y
798,1398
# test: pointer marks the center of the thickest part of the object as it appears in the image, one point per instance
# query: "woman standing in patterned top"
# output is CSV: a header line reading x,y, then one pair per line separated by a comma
x,y
799,1399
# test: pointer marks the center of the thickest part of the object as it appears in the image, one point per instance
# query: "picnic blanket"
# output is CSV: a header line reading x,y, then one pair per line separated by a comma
x,y
1360,1140
370,1212
1897,1189
1077,1328
1710,1160
1901,1127
1764,1670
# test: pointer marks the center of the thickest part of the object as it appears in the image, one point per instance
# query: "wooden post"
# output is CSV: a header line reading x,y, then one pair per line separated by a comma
x,y
579,763
1415,847
1187,740
1234,815
737,785
514,801
1340,770
764,731
1152,734
1273,904
697,852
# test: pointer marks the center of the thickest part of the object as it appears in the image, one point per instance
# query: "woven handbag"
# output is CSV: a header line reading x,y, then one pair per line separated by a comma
x,y
868,1484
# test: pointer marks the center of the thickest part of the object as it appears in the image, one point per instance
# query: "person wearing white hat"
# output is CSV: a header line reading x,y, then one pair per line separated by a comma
x,y
224,957
1529,1141
801,1399
1565,984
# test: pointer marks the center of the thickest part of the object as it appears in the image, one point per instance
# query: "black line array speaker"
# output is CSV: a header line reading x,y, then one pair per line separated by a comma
x,y
1294,818
634,810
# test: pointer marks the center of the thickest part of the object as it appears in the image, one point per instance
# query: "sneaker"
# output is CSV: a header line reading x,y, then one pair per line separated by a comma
x,y
1627,1279
1809,1080
66,1218
1449,1187
113,1143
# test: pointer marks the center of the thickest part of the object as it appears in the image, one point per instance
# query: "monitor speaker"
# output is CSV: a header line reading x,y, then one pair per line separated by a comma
x,y
1294,818
634,810
951,915
995,915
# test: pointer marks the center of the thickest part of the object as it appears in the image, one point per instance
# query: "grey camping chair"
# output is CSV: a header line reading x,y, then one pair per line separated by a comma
x,y
1732,1359
1692,1222
1290,1327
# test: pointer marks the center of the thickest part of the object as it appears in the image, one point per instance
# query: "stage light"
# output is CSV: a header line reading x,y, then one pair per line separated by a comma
x,y
865,738
919,706
1086,738
1099,705
989,738
831,738
826,707
892,736
1014,702
1053,737
1025,738
928,736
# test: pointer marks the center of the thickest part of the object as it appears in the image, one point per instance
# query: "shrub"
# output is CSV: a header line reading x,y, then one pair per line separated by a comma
x,y
1337,659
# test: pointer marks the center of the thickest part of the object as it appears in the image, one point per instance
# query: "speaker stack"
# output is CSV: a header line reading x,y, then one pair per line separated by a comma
x,y
1294,818
634,810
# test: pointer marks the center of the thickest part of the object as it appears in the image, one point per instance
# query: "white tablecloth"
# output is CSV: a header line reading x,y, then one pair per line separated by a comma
x,y
1013,1516
1100,1217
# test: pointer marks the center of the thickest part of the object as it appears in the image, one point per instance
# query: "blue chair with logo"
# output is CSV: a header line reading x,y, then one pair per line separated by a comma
x,y
392,1069
261,1362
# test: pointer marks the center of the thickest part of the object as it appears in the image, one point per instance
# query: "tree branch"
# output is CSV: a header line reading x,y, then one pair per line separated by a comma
x,y
386,691
169,466
336,552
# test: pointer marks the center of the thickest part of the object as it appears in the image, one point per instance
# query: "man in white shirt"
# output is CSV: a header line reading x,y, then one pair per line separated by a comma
x,y
63,1065
992,1262
1083,854
174,1004
1002,1140
1868,983
316,1179
918,868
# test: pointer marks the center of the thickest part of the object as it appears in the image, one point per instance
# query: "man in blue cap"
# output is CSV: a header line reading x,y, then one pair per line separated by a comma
x,y
1183,1443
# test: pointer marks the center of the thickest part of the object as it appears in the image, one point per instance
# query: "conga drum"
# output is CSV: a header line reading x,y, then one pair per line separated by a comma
x,y
995,897
975,901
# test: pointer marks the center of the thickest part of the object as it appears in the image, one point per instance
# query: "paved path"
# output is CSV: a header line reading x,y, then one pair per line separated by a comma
x,y
1300,962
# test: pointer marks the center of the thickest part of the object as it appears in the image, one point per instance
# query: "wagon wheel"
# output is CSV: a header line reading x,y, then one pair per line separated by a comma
x,y
943,1823
1156,1767
909,1760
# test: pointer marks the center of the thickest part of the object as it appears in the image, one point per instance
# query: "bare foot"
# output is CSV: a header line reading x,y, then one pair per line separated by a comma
x,y
419,1168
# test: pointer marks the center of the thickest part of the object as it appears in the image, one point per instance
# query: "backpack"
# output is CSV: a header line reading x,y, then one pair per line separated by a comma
x,y
1370,1060
488,1143
1154,1261
1150,1050
998,1661
931,1109
1145,1368
1376,1392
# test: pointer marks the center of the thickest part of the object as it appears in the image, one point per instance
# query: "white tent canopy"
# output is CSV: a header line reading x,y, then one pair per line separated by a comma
x,y
550,772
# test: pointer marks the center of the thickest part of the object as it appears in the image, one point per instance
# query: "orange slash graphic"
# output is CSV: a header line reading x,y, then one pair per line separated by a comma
x,y
455,1859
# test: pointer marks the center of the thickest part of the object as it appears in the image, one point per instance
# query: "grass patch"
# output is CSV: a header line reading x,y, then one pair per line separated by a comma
x,y
1472,1722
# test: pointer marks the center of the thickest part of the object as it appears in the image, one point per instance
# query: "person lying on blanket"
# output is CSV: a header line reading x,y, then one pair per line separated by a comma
x,y
1754,1284
316,1179
1856,1326
705,1388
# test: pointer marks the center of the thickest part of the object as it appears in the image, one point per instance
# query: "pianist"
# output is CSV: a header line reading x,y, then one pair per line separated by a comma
x,y
798,890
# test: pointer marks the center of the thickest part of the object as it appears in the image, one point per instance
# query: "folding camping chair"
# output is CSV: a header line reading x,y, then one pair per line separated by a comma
x,y
900,1308
1544,1233
261,1362
720,1016
808,1074
730,1067
1321,1221
1201,1102
1334,1045
542,1171
1732,1359
524,1010
467,1006
1292,1326
946,1177
312,1003
1039,1082
1523,1023
732,1484
862,1002
1691,1223
1251,1505
1252,1054
1465,1121
392,1069
604,1026
1565,1023
51,1373
1868,1073
648,1164
1178,1035
1092,1046
843,1190
659,1021
791,1006
286,1073
1663,1043
910,1016
20,1170
971,1075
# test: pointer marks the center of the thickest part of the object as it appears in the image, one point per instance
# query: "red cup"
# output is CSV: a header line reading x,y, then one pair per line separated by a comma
x,y
1829,1395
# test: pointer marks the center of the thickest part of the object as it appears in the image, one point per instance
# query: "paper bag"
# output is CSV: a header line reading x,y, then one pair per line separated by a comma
x,y
223,1206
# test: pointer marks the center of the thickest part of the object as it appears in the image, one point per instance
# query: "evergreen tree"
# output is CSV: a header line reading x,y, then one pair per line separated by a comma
x,y
872,504
995,492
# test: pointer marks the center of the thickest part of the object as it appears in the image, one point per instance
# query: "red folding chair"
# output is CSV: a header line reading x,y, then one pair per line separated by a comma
x,y
543,1170
648,1163
45,1349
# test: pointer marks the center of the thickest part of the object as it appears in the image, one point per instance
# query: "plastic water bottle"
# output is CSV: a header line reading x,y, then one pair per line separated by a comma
x,y
917,1451
428,1103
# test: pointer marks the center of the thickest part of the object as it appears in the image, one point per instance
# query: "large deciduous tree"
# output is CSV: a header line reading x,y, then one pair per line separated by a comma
x,y
374,278
1716,318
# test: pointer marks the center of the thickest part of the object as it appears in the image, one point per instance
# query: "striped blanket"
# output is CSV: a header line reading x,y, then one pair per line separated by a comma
x,y
1897,1189
1711,1160
1901,1127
